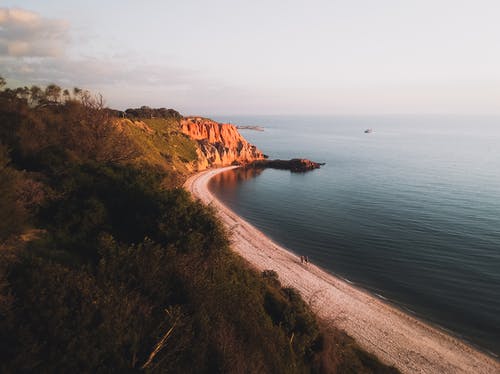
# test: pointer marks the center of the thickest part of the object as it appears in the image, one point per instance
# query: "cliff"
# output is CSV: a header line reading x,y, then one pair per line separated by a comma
x,y
218,144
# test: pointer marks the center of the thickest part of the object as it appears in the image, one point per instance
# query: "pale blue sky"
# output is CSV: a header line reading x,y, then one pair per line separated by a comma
x,y
263,57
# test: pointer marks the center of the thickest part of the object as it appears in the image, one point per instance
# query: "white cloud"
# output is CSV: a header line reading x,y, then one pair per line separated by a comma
x,y
25,33
130,84
93,72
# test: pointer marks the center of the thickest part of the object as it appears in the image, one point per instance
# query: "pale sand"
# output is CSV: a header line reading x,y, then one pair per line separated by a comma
x,y
395,337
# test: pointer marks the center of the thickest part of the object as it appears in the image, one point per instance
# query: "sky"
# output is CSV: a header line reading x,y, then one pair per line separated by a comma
x,y
262,57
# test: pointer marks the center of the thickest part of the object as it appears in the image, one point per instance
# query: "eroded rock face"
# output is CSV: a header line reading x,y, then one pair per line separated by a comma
x,y
219,144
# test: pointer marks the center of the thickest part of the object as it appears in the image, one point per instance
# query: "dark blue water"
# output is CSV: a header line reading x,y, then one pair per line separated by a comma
x,y
410,212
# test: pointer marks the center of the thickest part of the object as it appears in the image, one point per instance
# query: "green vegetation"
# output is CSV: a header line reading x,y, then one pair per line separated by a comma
x,y
147,112
162,144
123,274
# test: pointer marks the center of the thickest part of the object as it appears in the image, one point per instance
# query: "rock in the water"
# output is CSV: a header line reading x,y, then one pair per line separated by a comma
x,y
295,164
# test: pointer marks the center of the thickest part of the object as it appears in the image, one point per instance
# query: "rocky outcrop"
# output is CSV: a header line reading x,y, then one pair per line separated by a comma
x,y
219,144
295,164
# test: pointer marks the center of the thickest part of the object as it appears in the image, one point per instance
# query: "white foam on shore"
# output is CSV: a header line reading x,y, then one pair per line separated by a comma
x,y
397,338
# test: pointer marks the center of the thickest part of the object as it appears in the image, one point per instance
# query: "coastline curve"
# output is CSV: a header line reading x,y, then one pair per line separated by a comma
x,y
395,337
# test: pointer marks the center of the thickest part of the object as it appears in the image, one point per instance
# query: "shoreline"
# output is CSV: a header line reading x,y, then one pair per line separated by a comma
x,y
395,337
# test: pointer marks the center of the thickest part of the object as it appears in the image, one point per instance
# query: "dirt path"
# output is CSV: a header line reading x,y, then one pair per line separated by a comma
x,y
395,337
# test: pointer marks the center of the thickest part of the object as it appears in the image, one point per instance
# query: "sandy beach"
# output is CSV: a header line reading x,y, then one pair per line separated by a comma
x,y
395,337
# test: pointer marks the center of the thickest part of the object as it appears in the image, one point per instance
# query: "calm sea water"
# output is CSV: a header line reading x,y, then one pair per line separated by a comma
x,y
410,212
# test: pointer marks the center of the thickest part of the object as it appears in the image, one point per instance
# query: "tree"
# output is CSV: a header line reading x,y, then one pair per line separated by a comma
x,y
53,93
90,131
66,95
36,95
77,92
23,93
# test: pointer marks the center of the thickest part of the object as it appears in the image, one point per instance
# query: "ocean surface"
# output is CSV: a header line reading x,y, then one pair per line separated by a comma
x,y
409,212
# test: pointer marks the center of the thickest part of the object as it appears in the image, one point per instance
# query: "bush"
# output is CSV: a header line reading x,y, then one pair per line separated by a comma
x,y
12,213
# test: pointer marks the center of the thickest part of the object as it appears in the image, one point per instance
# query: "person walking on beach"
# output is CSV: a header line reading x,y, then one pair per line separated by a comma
x,y
301,259
306,259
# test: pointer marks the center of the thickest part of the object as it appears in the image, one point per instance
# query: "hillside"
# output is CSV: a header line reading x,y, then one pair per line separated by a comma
x,y
106,265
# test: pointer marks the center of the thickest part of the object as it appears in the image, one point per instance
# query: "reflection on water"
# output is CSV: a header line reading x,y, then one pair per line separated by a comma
x,y
230,179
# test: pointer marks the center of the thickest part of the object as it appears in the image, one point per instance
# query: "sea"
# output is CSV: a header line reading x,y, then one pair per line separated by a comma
x,y
409,212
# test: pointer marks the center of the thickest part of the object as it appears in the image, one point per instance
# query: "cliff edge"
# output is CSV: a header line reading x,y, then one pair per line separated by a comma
x,y
218,144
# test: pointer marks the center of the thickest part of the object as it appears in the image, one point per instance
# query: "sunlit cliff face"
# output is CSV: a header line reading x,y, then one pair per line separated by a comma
x,y
219,144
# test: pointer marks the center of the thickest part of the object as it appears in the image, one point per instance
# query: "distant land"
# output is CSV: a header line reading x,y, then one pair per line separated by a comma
x,y
246,127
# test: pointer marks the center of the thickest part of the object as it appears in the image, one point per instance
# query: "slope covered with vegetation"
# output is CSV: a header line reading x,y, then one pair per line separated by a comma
x,y
105,265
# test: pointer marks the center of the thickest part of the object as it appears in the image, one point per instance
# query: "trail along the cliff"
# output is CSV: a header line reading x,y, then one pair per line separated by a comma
x,y
395,337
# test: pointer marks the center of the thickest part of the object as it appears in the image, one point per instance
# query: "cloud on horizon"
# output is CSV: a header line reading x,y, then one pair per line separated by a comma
x,y
27,34
123,83
32,51
91,71
196,78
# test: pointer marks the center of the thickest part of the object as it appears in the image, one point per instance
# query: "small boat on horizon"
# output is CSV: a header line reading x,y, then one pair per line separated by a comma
x,y
368,131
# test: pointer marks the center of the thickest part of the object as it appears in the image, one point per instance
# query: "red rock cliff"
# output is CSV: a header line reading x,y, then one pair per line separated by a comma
x,y
219,144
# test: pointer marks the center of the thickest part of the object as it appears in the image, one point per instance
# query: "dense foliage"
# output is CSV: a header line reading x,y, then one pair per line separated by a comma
x,y
124,275
147,112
